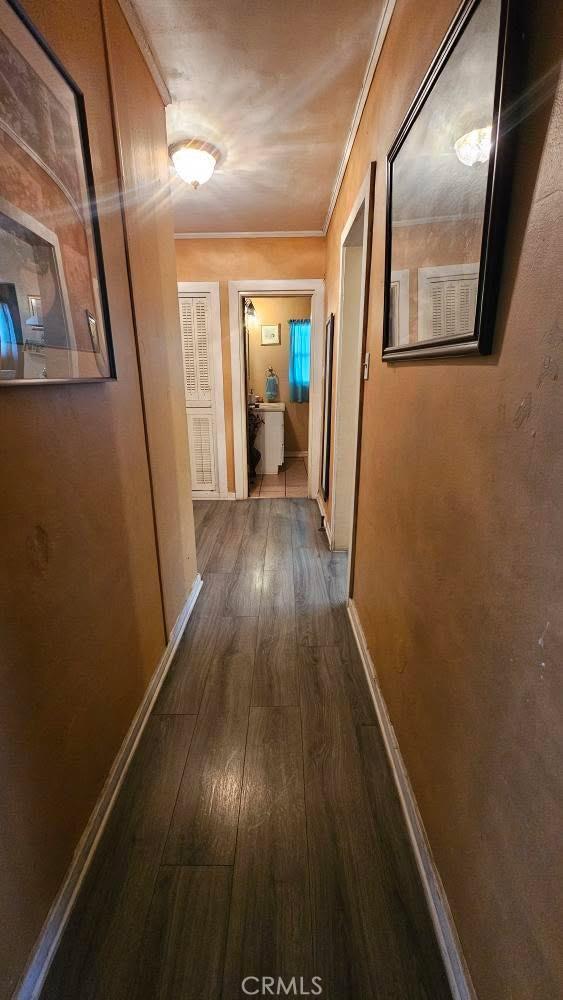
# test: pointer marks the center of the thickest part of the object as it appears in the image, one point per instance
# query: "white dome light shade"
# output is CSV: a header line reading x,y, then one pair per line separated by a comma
x,y
194,164
474,147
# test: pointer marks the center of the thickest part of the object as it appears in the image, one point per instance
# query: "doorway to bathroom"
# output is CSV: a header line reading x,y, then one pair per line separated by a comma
x,y
277,339
276,363
352,364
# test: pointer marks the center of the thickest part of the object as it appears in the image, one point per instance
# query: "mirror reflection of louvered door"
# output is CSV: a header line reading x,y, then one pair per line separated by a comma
x,y
198,382
447,301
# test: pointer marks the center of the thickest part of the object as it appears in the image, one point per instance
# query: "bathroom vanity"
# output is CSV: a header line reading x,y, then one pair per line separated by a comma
x,y
270,438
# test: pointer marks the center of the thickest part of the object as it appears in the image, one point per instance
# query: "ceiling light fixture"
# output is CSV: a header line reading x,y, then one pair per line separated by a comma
x,y
194,160
474,147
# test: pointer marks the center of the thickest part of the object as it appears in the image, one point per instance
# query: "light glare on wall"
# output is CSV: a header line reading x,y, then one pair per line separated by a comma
x,y
474,147
194,161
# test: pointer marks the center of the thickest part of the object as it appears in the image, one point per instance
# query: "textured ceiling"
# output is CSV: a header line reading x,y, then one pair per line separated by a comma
x,y
273,85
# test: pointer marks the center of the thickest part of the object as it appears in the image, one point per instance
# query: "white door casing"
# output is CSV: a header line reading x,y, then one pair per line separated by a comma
x,y
344,500
315,287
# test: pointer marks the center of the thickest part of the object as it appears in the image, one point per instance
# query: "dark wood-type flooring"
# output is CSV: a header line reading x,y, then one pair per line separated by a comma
x,y
258,830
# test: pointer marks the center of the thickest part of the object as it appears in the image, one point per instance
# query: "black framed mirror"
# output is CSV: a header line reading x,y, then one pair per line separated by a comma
x,y
448,178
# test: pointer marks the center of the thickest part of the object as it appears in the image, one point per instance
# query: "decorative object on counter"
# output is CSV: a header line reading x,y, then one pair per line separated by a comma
x,y
93,328
448,183
254,456
299,360
271,334
49,235
272,389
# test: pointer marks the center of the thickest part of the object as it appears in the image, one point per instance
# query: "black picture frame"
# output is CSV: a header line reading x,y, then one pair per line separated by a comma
x,y
509,54
327,406
91,208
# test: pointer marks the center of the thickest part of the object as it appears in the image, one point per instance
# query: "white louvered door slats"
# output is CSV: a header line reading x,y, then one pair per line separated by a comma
x,y
204,374
201,434
452,304
198,381
188,350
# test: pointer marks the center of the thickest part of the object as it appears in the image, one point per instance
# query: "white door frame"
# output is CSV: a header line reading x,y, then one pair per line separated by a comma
x,y
211,288
362,196
315,287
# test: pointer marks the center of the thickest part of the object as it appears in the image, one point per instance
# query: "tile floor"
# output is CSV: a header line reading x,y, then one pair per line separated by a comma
x,y
291,481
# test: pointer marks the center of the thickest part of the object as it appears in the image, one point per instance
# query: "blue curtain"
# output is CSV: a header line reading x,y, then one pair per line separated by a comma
x,y
8,339
299,360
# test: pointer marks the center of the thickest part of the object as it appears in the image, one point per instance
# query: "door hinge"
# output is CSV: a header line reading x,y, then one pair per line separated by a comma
x,y
366,366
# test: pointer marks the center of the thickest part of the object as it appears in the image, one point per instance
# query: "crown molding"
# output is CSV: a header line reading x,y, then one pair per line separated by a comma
x,y
249,236
139,34
360,105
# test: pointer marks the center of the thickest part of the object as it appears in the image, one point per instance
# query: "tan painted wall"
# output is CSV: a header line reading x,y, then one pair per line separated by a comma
x,y
460,533
225,260
150,240
81,621
279,310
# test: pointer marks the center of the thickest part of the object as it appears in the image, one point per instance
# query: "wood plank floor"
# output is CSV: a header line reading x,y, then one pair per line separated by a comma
x,y
258,831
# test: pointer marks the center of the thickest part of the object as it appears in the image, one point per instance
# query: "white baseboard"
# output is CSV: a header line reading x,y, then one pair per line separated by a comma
x,y
295,454
448,941
205,495
31,983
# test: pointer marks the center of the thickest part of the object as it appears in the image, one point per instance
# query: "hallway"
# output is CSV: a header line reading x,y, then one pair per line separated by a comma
x,y
258,832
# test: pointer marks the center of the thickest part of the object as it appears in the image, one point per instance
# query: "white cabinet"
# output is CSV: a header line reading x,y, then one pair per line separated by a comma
x,y
270,438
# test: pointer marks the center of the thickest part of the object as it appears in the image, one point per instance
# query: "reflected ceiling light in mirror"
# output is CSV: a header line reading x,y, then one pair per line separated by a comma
x,y
194,161
474,147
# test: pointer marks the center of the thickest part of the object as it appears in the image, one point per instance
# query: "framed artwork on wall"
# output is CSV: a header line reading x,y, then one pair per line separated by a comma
x,y
327,406
50,249
448,181
270,334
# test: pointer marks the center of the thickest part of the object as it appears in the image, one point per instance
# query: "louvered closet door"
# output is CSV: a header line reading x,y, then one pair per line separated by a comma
x,y
453,307
198,383
447,300
202,450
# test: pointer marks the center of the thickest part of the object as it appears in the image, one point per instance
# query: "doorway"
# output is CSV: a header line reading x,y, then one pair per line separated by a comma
x,y
352,369
272,295
277,344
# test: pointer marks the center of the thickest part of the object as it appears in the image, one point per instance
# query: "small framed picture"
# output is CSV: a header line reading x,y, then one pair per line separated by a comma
x,y
93,328
35,312
271,334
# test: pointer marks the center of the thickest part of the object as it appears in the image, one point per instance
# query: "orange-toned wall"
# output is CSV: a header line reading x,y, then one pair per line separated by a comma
x,y
225,260
81,615
144,166
458,578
